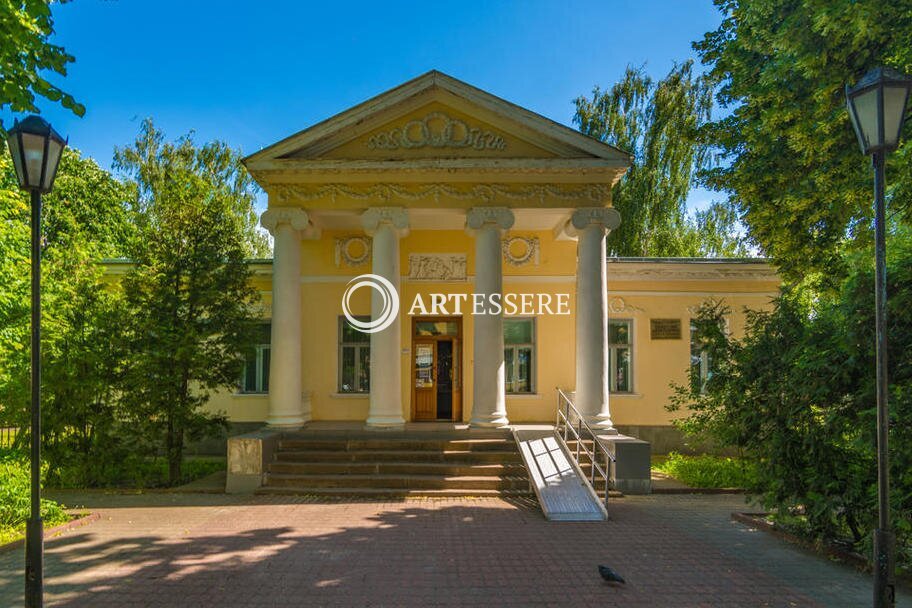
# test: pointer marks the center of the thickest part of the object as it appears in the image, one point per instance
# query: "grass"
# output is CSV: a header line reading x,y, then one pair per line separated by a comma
x,y
706,471
15,498
9,534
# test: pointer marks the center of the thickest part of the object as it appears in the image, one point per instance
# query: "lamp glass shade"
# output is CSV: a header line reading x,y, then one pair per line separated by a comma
x,y
877,107
894,102
16,152
33,155
36,149
54,150
864,110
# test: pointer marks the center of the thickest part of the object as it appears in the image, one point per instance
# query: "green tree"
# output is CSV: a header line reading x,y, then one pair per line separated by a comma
x,y
85,219
189,296
796,394
26,55
659,123
791,163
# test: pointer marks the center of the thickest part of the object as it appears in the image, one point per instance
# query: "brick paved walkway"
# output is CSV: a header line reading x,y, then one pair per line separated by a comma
x,y
197,550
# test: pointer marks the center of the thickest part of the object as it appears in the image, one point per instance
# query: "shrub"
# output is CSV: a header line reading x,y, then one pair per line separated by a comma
x,y
705,471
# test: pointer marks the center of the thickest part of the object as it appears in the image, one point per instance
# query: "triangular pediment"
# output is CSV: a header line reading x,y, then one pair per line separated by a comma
x,y
437,117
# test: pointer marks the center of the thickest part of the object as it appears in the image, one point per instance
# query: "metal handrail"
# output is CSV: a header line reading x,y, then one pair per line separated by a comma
x,y
564,409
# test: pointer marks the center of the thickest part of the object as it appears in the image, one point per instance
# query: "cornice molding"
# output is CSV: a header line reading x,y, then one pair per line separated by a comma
x,y
703,272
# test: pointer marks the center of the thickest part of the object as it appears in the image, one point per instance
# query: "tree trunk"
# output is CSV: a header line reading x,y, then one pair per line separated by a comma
x,y
175,453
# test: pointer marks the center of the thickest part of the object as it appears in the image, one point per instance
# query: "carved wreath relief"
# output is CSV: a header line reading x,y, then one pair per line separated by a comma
x,y
436,130
519,250
352,250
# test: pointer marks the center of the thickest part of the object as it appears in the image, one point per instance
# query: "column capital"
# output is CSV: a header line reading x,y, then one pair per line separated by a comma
x,y
501,217
397,217
608,217
274,216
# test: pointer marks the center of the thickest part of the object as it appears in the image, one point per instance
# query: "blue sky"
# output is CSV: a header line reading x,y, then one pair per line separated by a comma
x,y
251,73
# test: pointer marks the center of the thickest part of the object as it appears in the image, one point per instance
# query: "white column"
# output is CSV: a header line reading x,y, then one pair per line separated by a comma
x,y
489,407
385,225
592,225
285,391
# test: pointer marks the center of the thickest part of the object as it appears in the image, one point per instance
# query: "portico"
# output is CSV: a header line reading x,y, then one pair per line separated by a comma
x,y
438,188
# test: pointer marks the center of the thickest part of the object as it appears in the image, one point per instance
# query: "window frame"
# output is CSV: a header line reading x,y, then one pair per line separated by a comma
x,y
261,377
533,365
613,355
705,363
358,347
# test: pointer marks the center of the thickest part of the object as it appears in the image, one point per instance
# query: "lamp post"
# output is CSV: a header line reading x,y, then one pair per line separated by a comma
x,y
36,149
877,105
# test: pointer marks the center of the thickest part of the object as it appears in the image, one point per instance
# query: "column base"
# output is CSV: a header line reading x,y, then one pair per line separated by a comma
x,y
601,423
493,421
286,423
385,423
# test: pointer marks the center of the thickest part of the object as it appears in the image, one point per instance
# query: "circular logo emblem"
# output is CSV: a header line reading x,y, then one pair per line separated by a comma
x,y
390,308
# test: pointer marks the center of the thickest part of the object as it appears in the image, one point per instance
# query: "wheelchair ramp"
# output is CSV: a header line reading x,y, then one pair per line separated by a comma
x,y
563,491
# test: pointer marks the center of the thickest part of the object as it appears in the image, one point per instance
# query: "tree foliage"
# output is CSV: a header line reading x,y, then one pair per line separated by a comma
x,y
792,166
188,294
659,123
84,219
797,395
26,55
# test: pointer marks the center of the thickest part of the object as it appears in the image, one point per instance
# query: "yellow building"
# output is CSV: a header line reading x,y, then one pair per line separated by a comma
x,y
489,223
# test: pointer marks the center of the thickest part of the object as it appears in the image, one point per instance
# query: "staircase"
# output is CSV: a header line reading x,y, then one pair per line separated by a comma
x,y
396,465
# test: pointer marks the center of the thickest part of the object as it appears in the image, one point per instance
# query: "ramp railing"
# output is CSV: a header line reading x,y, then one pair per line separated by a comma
x,y
570,423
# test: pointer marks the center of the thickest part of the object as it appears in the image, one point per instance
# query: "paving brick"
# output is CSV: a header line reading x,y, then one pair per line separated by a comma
x,y
209,550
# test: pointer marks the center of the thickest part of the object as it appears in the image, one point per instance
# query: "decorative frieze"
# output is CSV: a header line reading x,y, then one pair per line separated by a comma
x,y
436,130
530,250
437,267
482,193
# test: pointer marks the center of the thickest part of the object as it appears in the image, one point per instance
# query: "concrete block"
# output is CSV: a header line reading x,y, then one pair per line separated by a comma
x,y
632,470
248,457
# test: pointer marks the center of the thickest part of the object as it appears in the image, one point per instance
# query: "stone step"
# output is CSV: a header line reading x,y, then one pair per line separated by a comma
x,y
361,444
316,467
398,482
373,456
392,492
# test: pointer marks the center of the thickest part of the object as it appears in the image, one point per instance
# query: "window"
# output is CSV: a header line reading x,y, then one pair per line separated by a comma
x,y
700,361
620,355
354,358
519,355
255,377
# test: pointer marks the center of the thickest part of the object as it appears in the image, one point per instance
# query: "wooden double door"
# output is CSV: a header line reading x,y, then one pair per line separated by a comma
x,y
436,368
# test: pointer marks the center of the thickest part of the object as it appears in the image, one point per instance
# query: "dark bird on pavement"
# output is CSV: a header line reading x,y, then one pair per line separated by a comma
x,y
610,575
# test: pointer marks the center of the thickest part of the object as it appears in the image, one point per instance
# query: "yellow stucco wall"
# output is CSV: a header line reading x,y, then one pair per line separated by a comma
x,y
637,291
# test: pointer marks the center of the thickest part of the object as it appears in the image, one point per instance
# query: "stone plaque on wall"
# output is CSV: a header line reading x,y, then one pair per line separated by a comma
x,y
665,329
437,267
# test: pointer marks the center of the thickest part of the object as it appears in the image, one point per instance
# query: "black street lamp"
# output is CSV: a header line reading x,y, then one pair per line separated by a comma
x,y
36,149
877,106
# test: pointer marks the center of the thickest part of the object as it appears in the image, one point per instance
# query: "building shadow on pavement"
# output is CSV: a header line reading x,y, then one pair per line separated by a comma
x,y
418,553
